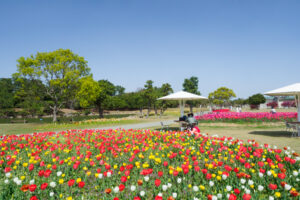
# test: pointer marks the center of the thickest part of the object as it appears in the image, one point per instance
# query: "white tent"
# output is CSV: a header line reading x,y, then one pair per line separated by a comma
x,y
290,90
182,96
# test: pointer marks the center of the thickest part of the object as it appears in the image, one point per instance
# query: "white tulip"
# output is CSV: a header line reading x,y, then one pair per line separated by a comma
x,y
228,188
219,196
51,194
59,173
132,188
243,181
269,173
116,189
164,187
142,193
6,181
169,185
214,197
211,183
31,182
271,198
224,177
260,188
179,180
146,178
159,194
195,188
100,176
53,184
8,175
250,182
174,195
108,174
260,174
295,173
287,187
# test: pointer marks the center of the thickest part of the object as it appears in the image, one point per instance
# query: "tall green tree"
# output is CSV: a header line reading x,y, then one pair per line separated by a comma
x,y
7,90
89,92
106,89
191,85
164,90
256,99
30,95
221,96
149,95
60,72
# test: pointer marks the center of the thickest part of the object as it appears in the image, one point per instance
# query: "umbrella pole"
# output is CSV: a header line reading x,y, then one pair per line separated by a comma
x,y
181,108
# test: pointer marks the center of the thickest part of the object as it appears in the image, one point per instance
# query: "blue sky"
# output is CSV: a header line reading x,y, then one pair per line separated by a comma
x,y
249,46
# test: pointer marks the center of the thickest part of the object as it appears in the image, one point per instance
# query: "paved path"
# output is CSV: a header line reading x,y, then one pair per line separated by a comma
x,y
139,125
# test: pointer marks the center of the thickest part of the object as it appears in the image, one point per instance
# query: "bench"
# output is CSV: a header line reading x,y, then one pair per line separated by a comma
x,y
18,121
291,127
164,126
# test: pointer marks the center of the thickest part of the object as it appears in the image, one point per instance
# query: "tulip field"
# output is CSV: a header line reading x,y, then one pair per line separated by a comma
x,y
248,116
144,164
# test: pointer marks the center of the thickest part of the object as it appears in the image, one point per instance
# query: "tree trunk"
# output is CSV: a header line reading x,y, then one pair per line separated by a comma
x,y
141,111
100,109
54,113
191,108
148,111
155,110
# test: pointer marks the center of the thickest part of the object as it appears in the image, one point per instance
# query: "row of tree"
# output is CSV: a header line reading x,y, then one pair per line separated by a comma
x,y
49,81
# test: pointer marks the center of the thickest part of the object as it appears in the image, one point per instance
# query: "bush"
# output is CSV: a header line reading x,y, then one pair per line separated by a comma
x,y
288,104
254,106
272,104
256,99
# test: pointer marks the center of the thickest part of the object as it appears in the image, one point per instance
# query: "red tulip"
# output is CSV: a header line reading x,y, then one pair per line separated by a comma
x,y
157,182
81,184
272,186
71,182
44,186
32,188
246,197
33,198
160,173
121,187
123,179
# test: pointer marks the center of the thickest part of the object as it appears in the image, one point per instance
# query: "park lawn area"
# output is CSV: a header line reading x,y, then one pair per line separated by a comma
x,y
263,133
21,128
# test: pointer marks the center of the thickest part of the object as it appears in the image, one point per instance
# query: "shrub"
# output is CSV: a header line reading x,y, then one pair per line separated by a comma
x,y
272,104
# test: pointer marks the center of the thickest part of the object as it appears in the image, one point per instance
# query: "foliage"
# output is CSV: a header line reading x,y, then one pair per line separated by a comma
x,y
239,102
272,104
221,96
59,71
191,85
140,165
256,99
288,104
149,94
106,89
89,91
7,90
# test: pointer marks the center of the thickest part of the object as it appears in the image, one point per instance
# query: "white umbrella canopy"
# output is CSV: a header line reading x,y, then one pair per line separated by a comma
x,y
182,96
290,90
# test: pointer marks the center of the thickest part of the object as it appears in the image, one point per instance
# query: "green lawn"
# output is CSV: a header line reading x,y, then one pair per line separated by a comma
x,y
270,133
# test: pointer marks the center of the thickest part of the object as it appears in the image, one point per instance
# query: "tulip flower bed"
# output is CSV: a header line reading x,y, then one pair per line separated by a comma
x,y
143,164
248,117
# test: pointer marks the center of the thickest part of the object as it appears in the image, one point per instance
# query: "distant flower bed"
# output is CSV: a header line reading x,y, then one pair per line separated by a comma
x,y
102,120
248,116
222,110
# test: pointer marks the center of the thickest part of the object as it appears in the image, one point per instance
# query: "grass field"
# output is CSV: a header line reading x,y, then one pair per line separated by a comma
x,y
270,133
